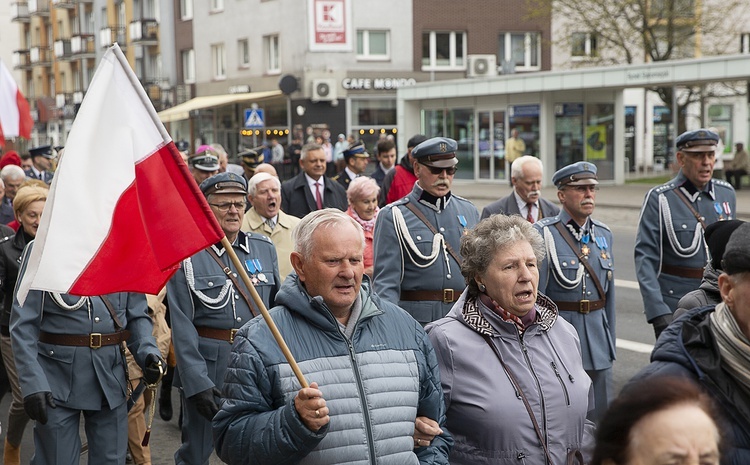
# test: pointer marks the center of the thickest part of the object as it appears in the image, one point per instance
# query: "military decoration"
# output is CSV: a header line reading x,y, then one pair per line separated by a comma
x,y
727,210
462,220
601,242
254,267
718,210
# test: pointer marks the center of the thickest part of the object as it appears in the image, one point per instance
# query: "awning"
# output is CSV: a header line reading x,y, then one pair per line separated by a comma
x,y
182,111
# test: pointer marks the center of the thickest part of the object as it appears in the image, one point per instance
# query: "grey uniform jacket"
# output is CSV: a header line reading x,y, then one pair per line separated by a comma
x,y
201,295
670,235
597,328
398,267
78,377
489,423
508,206
375,384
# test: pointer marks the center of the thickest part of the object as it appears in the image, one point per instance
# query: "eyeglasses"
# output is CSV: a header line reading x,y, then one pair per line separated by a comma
x,y
584,189
224,207
435,170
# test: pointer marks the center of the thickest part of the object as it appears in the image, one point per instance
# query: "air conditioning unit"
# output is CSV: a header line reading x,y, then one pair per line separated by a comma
x,y
323,90
482,66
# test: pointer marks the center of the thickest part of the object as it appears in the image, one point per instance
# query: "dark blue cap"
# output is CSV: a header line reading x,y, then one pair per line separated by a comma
x,y
182,145
582,173
439,152
700,140
224,183
356,149
251,158
42,151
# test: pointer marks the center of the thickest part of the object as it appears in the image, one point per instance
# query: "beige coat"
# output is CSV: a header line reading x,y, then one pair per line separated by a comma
x,y
281,236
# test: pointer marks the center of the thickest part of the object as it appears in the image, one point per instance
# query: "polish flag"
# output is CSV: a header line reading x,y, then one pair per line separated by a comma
x,y
123,209
15,115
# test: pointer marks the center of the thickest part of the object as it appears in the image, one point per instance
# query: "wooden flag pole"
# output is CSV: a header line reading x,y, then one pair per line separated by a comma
x,y
263,311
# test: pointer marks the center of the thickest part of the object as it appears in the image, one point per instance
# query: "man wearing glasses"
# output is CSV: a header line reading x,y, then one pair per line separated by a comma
x,y
208,305
416,238
670,251
578,275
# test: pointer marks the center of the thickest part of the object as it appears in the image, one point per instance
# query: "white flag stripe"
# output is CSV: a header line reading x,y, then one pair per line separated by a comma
x,y
9,117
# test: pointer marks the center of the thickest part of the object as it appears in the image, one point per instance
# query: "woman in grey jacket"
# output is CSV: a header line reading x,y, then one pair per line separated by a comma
x,y
514,385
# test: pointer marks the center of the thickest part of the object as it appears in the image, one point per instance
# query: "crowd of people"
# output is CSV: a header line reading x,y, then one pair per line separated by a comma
x,y
422,332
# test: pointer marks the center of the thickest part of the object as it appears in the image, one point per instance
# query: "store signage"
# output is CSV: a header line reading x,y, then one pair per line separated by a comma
x,y
377,83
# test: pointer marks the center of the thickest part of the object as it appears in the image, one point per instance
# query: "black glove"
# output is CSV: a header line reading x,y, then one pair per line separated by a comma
x,y
205,402
154,369
36,406
660,323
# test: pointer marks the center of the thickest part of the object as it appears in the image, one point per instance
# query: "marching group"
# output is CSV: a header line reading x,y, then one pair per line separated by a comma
x,y
429,333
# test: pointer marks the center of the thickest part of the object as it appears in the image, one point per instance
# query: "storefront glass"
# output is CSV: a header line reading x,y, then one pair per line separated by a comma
x,y
525,118
569,140
600,136
491,139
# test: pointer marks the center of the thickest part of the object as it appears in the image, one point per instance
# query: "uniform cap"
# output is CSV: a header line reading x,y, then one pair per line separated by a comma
x,y
737,253
224,183
205,159
251,158
717,235
182,145
356,149
700,140
42,151
439,152
581,173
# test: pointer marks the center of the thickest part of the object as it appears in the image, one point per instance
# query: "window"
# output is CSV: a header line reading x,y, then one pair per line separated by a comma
x,y
745,43
520,50
188,66
186,10
218,61
443,50
217,5
243,53
373,45
583,44
271,44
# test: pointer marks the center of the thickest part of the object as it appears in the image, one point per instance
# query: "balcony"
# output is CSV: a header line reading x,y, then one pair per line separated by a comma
x,y
39,7
68,103
21,59
82,46
64,3
19,12
62,49
110,35
144,32
39,56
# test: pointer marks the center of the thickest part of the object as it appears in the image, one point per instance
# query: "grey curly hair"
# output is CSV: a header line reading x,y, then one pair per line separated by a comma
x,y
491,235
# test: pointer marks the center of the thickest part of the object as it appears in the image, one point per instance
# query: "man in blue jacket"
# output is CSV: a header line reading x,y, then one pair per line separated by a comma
x,y
373,374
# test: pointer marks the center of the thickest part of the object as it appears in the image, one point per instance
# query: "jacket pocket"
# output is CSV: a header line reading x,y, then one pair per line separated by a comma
x,y
57,365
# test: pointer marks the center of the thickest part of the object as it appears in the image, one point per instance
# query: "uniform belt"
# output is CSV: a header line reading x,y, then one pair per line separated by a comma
x,y
216,333
683,271
93,340
446,296
582,306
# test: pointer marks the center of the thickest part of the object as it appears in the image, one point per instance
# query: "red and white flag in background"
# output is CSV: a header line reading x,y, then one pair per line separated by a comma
x,y
15,114
123,209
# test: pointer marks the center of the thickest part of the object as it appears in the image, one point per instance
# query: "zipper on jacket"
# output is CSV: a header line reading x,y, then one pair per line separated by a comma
x,y
543,425
562,384
362,399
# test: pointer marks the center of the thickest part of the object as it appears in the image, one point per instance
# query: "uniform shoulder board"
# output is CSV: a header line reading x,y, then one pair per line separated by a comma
x,y
258,237
600,224
665,187
550,220
6,238
402,201
460,198
335,178
721,182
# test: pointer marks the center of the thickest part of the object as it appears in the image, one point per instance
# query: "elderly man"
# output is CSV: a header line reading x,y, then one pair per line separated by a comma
x,y
356,159
41,163
525,200
208,303
372,370
577,274
399,182
416,239
311,190
13,176
709,346
265,217
670,251
204,164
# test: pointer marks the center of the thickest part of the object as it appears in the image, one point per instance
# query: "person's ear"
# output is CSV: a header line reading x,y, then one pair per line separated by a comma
x,y
298,263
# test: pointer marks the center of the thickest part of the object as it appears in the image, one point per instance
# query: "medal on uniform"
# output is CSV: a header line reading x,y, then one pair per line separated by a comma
x,y
727,209
251,268
585,251
717,209
462,220
601,241
260,275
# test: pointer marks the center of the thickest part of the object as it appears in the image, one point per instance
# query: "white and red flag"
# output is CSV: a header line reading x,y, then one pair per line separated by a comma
x,y
15,114
123,209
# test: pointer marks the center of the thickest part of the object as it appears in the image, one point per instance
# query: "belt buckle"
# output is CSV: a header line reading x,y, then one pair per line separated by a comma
x,y
447,296
232,333
584,307
95,340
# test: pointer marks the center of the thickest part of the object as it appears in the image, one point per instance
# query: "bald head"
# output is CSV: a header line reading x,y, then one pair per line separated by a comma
x,y
266,168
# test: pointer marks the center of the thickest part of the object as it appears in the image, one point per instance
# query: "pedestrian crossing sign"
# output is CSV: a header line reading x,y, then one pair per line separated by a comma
x,y
254,118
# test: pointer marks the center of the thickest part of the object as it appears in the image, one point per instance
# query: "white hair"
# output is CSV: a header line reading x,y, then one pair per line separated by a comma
x,y
258,178
516,169
12,172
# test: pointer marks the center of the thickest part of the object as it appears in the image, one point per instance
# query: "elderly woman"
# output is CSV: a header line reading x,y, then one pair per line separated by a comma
x,y
27,205
514,385
657,421
362,195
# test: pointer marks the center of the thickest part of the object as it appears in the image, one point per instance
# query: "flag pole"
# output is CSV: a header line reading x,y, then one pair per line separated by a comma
x,y
263,311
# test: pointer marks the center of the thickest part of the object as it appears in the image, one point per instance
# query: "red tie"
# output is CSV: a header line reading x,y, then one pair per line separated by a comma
x,y
318,197
529,217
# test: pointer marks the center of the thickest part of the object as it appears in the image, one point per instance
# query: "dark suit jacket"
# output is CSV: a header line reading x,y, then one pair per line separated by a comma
x,y
297,200
509,206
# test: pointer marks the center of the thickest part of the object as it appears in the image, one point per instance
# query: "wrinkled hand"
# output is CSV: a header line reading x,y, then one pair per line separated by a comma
x,y
425,430
205,402
154,369
660,323
36,406
311,407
